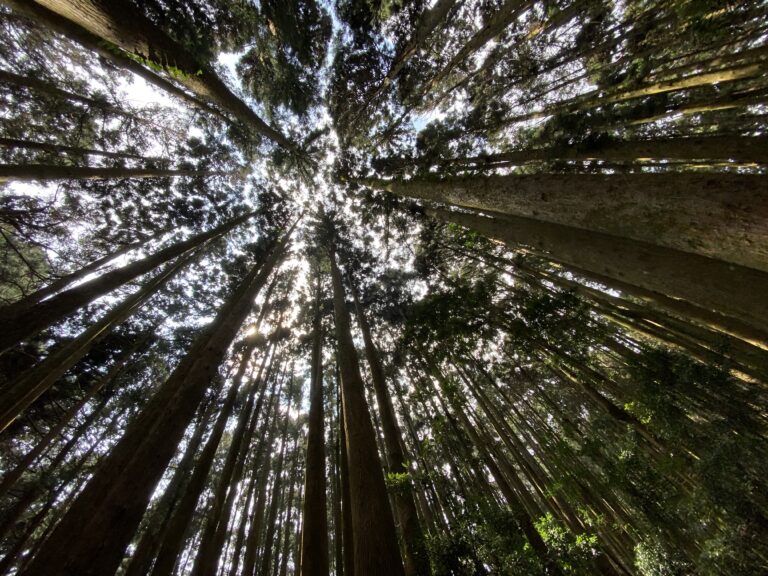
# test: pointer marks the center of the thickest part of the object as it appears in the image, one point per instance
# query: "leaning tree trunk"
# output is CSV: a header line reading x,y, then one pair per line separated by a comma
x,y
314,537
721,216
62,149
212,539
62,282
20,393
21,322
148,544
12,476
416,559
712,148
89,41
43,87
126,28
734,293
377,552
115,499
51,172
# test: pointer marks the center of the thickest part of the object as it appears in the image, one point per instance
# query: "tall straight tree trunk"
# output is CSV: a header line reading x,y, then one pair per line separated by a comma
x,y
280,569
174,535
146,548
521,512
257,516
720,216
61,149
269,537
723,148
115,499
213,536
732,294
22,322
314,536
128,29
377,552
347,533
416,559
120,58
51,172
22,392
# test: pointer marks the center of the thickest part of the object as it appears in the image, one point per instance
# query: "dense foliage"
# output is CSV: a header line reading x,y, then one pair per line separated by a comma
x,y
383,288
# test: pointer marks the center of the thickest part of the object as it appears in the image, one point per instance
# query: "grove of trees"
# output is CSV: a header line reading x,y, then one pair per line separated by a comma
x,y
383,288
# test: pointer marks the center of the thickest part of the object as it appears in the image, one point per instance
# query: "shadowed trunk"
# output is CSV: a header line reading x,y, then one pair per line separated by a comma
x,y
375,541
115,499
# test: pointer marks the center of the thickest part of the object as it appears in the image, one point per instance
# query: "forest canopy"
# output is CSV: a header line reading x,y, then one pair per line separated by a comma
x,y
383,287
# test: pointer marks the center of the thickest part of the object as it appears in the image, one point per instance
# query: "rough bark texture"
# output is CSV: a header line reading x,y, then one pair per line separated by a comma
x,y
729,290
73,31
116,497
22,392
376,548
720,216
736,148
119,23
61,149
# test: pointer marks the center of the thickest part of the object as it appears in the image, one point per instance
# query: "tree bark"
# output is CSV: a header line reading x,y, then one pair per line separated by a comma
x,y
735,148
732,292
416,559
314,537
129,30
115,499
143,556
62,282
42,446
719,216
49,89
19,394
26,321
174,535
50,19
376,548
61,149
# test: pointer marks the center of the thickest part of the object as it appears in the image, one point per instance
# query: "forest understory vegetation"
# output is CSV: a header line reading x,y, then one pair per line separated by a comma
x,y
383,287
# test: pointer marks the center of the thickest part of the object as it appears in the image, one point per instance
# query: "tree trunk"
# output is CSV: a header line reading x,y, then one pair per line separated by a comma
x,y
314,537
735,148
42,446
375,540
212,540
19,394
416,559
44,87
174,534
50,172
141,560
61,149
121,59
347,533
128,29
115,499
733,292
62,282
720,216
23,322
